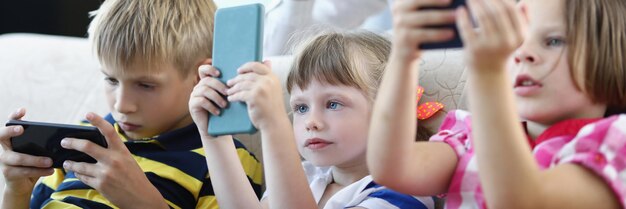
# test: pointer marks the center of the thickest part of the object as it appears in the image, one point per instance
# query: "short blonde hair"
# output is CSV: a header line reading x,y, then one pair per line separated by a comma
x,y
355,59
597,53
153,32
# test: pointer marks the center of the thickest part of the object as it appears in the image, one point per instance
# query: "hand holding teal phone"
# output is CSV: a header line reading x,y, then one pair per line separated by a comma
x,y
238,39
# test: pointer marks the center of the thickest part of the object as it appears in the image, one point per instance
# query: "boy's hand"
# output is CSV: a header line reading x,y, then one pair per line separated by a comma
x,y
500,33
20,171
409,26
116,175
260,89
204,97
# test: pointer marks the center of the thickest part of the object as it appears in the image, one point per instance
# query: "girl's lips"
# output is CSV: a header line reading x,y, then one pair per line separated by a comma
x,y
526,85
128,126
316,143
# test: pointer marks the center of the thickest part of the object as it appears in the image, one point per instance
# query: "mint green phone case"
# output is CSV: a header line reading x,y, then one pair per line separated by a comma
x,y
238,39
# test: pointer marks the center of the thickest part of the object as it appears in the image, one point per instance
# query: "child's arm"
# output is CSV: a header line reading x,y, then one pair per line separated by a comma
x,y
116,175
394,159
287,186
228,178
20,171
509,175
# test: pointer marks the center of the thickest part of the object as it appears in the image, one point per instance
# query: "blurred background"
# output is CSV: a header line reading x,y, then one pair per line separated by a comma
x,y
60,17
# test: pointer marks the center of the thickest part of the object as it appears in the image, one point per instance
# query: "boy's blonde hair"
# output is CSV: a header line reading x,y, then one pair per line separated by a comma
x,y
597,52
153,32
355,59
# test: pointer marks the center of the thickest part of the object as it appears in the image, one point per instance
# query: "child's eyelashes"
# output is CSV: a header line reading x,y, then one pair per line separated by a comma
x,y
300,108
333,105
303,108
142,85
111,81
555,42
146,86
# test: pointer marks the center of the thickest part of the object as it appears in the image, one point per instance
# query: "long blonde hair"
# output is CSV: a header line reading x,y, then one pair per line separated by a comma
x,y
597,33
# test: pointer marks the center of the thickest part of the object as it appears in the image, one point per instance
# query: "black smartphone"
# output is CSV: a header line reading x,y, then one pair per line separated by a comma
x,y
44,139
453,43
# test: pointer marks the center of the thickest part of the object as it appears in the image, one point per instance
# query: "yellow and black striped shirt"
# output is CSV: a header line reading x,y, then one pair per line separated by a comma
x,y
174,162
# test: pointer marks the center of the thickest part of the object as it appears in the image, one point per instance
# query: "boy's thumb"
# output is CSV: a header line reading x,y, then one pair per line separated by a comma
x,y
268,63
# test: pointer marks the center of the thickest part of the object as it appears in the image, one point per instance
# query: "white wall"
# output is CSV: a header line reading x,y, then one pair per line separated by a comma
x,y
228,3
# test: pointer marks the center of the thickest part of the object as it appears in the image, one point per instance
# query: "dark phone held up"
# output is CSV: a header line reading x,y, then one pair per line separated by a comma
x,y
455,42
44,139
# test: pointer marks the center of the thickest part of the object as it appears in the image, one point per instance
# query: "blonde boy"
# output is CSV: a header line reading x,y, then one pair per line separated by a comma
x,y
149,51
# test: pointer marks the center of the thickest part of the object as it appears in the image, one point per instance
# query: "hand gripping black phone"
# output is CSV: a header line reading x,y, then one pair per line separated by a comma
x,y
44,139
454,42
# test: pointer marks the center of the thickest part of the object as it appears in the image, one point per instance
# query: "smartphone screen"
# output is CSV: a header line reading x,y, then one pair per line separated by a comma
x,y
44,139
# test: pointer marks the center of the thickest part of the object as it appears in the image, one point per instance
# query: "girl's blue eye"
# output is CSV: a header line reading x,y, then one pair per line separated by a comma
x,y
301,109
555,42
333,105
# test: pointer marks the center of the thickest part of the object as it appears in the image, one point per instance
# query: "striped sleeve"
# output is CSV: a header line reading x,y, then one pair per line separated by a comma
x,y
252,167
385,198
44,189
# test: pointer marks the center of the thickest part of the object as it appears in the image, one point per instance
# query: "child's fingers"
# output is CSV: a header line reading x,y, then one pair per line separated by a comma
x,y
7,132
208,71
212,83
17,159
466,29
241,96
18,114
242,77
517,20
241,86
204,92
254,67
522,12
479,10
88,147
268,63
215,98
28,172
205,104
412,5
110,135
426,18
431,35
499,16
88,169
89,180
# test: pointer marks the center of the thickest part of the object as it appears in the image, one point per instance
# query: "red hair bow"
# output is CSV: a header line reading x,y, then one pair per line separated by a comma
x,y
427,109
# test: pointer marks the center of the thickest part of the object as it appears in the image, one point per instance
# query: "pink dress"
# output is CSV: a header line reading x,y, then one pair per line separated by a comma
x,y
596,144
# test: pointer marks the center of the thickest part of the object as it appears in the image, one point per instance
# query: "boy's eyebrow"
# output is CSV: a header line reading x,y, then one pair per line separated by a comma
x,y
106,74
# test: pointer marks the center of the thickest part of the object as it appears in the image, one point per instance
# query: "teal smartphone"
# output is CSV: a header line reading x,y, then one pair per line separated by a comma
x,y
238,39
